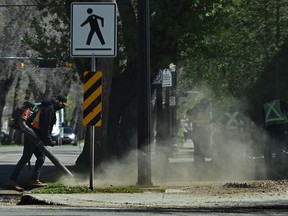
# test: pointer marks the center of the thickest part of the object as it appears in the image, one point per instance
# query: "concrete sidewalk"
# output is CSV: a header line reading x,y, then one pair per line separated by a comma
x,y
172,198
190,195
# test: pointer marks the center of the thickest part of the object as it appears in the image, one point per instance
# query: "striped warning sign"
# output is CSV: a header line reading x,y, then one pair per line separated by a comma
x,y
92,104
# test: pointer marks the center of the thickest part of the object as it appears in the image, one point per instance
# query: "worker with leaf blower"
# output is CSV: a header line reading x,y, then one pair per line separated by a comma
x,y
36,122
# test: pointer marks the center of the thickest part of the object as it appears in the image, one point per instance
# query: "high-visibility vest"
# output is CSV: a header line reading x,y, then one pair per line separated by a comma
x,y
36,121
274,114
232,123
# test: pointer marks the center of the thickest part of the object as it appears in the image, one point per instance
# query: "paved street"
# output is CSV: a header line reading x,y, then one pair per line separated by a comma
x,y
67,154
64,211
9,155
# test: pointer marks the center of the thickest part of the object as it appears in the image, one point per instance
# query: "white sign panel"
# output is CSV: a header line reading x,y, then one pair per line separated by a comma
x,y
166,78
93,29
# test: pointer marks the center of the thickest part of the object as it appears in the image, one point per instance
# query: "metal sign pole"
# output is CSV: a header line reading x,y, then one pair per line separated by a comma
x,y
92,107
92,157
92,137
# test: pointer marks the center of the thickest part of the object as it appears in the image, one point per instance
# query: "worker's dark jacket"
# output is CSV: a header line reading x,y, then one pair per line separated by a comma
x,y
46,122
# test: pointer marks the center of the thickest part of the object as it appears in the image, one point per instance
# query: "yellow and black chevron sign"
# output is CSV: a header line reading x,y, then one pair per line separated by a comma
x,y
92,104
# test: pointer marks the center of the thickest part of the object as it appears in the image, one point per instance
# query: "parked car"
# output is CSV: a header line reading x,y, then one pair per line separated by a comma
x,y
4,136
69,136
55,135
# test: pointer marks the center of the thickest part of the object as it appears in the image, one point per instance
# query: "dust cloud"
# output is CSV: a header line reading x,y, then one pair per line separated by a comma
x,y
228,157
236,163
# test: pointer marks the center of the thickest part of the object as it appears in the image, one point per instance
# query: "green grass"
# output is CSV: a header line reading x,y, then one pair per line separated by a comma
x,y
58,188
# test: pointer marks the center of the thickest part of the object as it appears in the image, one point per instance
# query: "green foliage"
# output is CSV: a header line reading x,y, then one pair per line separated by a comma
x,y
173,22
51,26
241,41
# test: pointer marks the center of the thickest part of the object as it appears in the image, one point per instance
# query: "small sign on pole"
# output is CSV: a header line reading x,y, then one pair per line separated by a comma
x,y
92,104
166,78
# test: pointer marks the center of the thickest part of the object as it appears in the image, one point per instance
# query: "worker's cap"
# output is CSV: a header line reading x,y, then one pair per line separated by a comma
x,y
62,99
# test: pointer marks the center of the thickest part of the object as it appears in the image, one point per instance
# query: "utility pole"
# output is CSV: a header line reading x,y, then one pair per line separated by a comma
x,y
144,95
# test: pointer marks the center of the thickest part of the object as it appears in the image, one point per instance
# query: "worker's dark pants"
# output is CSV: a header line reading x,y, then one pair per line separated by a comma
x,y
29,149
274,143
201,140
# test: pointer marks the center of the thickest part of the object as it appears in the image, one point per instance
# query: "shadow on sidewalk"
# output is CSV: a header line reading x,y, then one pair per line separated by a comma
x,y
49,173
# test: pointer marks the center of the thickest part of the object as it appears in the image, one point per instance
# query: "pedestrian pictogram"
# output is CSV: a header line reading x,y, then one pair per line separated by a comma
x,y
93,29
94,26
92,104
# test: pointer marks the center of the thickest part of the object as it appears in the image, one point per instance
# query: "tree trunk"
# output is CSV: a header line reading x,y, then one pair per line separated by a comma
x,y
16,103
5,86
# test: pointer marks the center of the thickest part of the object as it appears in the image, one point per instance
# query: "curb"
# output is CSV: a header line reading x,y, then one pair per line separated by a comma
x,y
155,201
31,200
8,196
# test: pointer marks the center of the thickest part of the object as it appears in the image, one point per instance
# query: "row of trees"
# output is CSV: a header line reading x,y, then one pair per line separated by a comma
x,y
21,79
236,48
243,51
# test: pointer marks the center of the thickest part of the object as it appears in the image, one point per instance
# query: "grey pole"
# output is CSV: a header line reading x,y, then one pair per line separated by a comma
x,y
144,96
92,137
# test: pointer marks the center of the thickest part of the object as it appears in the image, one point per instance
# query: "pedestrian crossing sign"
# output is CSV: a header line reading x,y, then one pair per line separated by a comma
x,y
93,30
